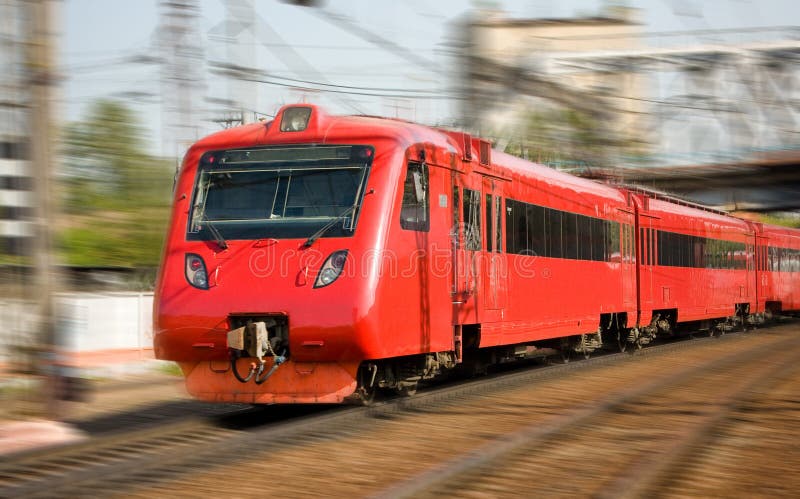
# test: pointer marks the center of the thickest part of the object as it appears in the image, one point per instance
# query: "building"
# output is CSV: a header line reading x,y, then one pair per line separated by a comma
x,y
515,68
16,182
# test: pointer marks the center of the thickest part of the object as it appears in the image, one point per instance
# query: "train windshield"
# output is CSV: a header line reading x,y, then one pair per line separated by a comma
x,y
279,192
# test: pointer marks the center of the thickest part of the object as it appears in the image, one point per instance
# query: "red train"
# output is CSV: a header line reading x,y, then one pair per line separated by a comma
x,y
316,258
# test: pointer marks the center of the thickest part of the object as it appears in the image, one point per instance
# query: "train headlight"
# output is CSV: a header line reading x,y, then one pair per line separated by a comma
x,y
295,119
331,269
196,271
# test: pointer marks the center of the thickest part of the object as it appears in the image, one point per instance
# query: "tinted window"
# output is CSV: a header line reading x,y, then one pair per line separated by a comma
x,y
537,230
472,219
415,210
489,235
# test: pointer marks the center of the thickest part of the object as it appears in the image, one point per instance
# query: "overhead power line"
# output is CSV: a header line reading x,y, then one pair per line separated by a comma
x,y
234,70
377,93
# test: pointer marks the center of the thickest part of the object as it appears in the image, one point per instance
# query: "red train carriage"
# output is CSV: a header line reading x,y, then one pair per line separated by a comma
x,y
779,266
696,264
568,261
318,258
299,249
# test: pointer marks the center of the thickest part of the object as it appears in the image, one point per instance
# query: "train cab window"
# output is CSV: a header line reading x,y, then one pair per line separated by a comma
x,y
472,220
415,211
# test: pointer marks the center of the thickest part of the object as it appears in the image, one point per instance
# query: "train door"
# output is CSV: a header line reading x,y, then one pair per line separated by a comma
x,y
628,262
645,263
492,261
466,243
761,276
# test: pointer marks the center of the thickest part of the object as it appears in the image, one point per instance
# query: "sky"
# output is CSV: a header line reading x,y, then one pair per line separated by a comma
x,y
100,37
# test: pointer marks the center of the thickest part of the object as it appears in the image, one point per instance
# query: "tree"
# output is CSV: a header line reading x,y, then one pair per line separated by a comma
x,y
116,195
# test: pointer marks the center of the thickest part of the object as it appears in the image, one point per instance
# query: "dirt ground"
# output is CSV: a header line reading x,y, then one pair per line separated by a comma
x,y
756,454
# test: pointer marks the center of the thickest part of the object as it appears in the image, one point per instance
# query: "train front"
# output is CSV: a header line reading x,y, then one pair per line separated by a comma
x,y
262,295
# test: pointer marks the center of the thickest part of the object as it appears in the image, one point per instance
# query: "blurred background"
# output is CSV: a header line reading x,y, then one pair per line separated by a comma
x,y
99,101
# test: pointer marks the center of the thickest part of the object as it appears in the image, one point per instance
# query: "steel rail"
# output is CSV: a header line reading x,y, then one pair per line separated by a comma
x,y
657,467
192,450
495,449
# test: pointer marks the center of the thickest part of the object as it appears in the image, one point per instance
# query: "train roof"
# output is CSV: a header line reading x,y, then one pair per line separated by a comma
x,y
324,128
553,179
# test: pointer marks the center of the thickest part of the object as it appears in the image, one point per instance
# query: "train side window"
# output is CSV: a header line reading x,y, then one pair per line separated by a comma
x,y
652,246
698,244
472,220
772,259
537,227
569,230
512,230
456,224
628,245
599,243
613,247
584,238
498,227
554,238
415,211
642,247
489,233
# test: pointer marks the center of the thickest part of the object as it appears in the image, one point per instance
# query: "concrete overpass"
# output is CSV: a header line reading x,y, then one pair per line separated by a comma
x,y
768,181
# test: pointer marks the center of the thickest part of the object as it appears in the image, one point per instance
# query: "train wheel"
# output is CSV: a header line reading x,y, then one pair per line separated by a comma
x,y
367,385
565,352
585,350
407,389
368,396
622,342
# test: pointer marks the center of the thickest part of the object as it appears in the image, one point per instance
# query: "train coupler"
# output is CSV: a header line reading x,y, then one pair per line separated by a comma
x,y
253,341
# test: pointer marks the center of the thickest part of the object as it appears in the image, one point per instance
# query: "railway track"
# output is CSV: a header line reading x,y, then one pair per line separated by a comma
x,y
162,456
681,426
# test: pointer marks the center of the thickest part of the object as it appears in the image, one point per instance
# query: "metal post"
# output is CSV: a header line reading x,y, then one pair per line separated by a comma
x,y
42,80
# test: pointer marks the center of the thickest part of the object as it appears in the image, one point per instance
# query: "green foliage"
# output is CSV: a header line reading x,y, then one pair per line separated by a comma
x,y
552,136
563,136
170,368
784,220
116,196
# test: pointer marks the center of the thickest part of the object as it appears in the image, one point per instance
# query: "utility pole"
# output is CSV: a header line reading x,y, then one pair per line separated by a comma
x,y
41,80
182,74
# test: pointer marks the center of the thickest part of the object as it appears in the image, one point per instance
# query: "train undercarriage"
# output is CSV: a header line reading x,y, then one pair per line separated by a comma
x,y
259,338
403,375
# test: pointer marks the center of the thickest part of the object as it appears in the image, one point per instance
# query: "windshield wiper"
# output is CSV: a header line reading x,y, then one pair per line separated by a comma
x,y
214,232
327,226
